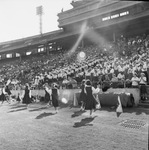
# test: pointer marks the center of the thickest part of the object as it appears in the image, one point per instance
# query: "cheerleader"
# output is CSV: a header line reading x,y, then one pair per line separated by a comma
x,y
27,96
47,95
55,96
96,91
8,91
4,95
82,98
90,100
18,98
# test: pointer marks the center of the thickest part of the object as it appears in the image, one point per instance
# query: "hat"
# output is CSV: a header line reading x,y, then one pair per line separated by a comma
x,y
88,82
27,84
142,73
55,85
135,73
83,81
46,85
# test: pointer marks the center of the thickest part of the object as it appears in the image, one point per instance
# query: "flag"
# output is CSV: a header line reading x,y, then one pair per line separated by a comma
x,y
119,108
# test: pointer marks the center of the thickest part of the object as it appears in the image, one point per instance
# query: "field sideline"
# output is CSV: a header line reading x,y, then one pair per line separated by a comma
x,y
39,128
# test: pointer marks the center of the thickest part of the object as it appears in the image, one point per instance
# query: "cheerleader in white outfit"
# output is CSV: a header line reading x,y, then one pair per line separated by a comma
x,y
96,91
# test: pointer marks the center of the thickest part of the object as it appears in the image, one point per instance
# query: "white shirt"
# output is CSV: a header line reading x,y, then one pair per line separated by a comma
x,y
112,70
8,82
65,81
4,92
95,91
87,73
48,90
135,81
92,71
143,80
120,76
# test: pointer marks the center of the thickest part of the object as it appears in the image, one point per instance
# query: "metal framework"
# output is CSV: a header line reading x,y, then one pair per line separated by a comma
x,y
39,12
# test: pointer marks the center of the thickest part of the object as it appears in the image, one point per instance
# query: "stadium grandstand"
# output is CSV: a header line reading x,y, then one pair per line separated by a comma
x,y
84,86
112,35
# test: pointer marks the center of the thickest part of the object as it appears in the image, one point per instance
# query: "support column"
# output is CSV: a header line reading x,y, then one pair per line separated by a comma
x,y
82,43
47,48
114,36
20,58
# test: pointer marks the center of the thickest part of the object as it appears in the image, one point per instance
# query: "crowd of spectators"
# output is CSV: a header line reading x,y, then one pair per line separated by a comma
x,y
117,66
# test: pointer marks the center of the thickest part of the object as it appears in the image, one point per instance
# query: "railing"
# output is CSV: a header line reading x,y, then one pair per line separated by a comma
x,y
103,85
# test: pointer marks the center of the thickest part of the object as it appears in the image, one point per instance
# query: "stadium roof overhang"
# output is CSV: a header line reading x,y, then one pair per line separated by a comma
x,y
126,20
138,21
34,41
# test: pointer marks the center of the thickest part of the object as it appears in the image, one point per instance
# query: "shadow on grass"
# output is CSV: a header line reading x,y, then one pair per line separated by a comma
x,y
17,110
19,106
135,110
63,105
44,115
77,113
84,122
38,109
72,106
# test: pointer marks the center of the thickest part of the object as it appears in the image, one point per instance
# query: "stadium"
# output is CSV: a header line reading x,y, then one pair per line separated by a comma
x,y
102,46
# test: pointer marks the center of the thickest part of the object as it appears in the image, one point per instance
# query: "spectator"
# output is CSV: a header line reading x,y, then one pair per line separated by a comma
x,y
135,81
143,82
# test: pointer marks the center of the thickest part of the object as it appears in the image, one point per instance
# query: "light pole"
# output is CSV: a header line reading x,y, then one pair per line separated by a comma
x,y
39,12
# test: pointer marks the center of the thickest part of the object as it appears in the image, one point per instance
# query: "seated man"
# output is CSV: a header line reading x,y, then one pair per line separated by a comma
x,y
135,81
114,81
121,79
121,76
114,78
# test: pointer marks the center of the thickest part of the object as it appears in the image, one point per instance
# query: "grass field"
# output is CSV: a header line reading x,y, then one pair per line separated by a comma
x,y
39,128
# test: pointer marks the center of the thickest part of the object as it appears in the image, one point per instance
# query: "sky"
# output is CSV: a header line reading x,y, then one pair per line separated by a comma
x,y
19,19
